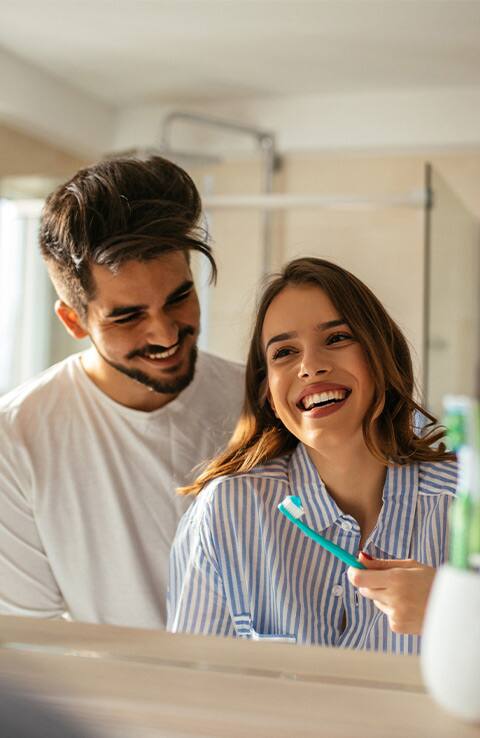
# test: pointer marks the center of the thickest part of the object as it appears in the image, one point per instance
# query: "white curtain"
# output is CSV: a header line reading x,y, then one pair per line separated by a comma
x,y
25,295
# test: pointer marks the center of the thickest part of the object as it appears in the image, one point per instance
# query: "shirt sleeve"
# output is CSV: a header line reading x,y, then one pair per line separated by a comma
x,y
27,583
197,602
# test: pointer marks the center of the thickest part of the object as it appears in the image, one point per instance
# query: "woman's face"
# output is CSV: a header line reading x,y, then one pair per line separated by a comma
x,y
319,382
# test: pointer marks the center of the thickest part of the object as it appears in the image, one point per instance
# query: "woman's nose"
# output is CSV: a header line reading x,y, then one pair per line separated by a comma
x,y
313,363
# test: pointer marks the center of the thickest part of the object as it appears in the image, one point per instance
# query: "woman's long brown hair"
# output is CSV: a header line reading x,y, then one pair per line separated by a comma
x,y
388,426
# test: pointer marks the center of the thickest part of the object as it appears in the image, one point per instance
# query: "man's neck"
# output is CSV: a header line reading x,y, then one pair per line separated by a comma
x,y
119,387
354,479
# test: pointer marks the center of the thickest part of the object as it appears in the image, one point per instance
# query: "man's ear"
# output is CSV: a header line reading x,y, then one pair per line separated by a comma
x,y
70,319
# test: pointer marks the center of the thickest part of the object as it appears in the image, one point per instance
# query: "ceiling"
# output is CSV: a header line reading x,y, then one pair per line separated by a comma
x,y
132,52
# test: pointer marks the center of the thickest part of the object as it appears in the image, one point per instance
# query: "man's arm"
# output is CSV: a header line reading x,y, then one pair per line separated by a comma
x,y
27,583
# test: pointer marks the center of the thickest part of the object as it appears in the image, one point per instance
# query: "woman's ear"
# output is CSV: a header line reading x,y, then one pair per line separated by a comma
x,y
70,319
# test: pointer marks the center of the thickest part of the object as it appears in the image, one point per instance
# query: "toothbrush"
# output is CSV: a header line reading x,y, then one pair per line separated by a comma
x,y
292,508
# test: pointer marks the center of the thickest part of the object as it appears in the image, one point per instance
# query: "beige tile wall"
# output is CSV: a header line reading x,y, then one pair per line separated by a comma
x,y
24,155
384,247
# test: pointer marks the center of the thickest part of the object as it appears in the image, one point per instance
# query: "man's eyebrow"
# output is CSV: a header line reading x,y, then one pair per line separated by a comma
x,y
321,327
117,312
125,310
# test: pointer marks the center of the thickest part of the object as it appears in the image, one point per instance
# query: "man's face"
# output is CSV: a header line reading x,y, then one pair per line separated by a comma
x,y
144,323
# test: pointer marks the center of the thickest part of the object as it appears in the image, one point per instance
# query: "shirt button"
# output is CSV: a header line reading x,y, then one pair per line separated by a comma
x,y
346,525
337,590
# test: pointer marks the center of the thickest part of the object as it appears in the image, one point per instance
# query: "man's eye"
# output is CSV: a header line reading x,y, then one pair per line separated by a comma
x,y
127,319
179,297
339,338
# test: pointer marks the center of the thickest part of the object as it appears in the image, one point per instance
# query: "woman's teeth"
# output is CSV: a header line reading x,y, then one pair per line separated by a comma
x,y
323,398
163,354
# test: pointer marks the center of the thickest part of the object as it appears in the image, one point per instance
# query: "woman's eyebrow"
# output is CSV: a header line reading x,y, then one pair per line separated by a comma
x,y
331,324
292,334
280,337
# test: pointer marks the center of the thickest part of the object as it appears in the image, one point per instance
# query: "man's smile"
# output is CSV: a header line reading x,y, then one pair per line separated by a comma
x,y
161,356
163,359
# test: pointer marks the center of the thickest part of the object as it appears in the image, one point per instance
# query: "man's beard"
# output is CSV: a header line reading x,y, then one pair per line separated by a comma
x,y
161,386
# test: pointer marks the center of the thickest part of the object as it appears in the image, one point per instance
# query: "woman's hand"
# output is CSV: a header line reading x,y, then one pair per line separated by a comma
x,y
399,588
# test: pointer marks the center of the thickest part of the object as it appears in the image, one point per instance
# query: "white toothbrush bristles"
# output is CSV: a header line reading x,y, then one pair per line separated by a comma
x,y
293,509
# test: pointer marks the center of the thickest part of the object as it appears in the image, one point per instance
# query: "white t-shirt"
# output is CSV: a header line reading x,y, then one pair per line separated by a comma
x,y
88,508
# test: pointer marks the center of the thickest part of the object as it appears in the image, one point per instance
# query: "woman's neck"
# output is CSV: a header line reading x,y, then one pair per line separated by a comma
x,y
354,479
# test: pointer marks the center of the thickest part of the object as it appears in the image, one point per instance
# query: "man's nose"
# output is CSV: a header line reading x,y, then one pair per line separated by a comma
x,y
162,330
314,361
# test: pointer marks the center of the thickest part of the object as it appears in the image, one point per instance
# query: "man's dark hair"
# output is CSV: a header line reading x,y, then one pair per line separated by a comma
x,y
116,211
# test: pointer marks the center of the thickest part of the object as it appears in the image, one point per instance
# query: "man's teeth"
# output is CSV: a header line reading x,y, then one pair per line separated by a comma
x,y
323,398
163,354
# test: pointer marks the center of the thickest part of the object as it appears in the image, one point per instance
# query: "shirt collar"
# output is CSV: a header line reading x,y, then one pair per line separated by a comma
x,y
393,532
320,509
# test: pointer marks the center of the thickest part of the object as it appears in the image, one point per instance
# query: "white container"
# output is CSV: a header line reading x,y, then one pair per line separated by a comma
x,y
451,642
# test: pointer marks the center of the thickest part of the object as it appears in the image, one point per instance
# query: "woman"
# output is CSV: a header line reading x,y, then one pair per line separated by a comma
x,y
328,416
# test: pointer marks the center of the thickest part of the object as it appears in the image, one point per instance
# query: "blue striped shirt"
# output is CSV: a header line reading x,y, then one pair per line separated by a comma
x,y
239,567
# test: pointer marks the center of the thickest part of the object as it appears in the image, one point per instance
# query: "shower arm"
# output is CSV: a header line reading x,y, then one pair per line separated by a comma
x,y
265,141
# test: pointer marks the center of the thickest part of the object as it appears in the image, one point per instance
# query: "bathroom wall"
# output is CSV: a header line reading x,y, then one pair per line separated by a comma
x,y
23,155
385,246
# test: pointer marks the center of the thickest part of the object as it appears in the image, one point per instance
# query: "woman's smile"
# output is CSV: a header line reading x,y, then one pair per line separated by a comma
x,y
316,399
321,400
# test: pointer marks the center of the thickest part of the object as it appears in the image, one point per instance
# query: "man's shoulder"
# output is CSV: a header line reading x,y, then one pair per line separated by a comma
x,y
40,391
218,367
220,384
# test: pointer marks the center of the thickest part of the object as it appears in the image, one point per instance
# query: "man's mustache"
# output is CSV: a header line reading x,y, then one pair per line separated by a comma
x,y
155,348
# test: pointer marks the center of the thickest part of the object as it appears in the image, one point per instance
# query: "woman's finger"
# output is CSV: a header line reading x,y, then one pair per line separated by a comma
x,y
372,578
376,595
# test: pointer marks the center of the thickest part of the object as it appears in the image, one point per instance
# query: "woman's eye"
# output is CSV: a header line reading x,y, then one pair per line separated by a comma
x,y
280,353
339,338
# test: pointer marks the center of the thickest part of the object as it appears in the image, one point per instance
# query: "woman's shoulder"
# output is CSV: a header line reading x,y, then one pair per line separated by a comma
x,y
438,477
231,489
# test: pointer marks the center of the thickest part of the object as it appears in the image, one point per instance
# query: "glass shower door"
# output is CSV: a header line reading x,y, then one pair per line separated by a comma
x,y
452,297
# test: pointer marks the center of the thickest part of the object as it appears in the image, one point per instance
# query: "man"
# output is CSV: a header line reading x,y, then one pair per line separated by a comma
x,y
91,451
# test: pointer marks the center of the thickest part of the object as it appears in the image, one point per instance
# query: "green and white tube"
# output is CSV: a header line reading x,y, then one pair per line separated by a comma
x,y
463,433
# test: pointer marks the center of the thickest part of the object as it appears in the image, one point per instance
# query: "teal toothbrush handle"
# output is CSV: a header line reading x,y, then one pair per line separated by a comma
x,y
333,548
